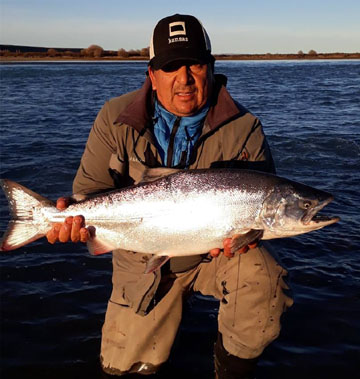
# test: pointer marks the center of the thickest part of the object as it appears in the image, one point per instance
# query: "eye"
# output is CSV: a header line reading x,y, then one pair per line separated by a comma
x,y
306,204
173,66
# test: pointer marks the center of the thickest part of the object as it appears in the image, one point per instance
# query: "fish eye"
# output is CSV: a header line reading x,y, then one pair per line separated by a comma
x,y
306,204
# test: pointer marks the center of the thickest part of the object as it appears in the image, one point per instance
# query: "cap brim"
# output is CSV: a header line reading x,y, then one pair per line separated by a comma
x,y
159,61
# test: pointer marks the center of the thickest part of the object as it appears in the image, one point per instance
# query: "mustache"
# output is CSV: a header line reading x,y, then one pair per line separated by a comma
x,y
185,89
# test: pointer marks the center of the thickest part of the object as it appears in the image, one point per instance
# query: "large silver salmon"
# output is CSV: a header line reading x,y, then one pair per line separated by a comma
x,y
184,213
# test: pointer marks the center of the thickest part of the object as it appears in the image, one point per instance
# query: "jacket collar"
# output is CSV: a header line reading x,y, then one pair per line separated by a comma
x,y
138,113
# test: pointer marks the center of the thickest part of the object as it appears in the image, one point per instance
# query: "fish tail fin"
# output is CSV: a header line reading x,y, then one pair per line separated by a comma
x,y
25,225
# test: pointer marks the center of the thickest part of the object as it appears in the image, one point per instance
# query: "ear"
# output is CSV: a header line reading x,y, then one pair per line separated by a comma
x,y
152,78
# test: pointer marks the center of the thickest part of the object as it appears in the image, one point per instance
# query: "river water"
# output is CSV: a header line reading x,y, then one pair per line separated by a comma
x,y
53,298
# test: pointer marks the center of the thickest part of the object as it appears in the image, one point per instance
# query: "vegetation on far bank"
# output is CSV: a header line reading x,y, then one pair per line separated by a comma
x,y
95,52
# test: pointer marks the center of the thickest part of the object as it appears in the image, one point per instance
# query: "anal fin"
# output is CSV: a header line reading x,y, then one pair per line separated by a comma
x,y
155,262
97,246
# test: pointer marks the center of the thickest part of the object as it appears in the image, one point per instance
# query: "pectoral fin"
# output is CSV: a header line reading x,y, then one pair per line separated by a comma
x,y
241,240
155,262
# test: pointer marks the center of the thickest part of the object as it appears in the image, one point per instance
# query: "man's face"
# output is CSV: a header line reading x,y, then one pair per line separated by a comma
x,y
182,87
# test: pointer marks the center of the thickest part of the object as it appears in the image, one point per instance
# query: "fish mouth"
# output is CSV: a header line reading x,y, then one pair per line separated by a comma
x,y
313,220
320,220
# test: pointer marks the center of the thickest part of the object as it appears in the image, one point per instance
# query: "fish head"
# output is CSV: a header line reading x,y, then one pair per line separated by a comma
x,y
292,208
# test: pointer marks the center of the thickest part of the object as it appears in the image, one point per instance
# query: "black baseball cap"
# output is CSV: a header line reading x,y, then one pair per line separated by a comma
x,y
179,37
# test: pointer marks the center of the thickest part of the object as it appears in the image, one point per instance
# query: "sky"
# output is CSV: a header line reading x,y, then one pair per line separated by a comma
x,y
234,26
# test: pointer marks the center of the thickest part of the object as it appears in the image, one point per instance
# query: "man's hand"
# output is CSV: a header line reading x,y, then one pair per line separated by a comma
x,y
227,249
73,229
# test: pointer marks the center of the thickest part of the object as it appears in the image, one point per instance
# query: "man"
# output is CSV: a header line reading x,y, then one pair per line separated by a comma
x,y
182,117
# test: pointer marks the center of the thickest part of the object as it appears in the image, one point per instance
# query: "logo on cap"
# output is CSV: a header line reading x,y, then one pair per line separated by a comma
x,y
177,29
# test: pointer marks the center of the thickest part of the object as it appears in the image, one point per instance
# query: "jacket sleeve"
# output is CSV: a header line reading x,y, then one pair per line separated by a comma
x,y
94,174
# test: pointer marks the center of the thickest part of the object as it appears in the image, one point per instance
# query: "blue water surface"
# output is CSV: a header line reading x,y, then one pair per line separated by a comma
x,y
53,298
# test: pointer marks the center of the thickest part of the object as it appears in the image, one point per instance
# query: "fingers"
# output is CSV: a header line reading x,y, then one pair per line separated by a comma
x,y
62,203
243,250
253,244
65,230
77,223
215,252
73,229
84,235
53,234
227,248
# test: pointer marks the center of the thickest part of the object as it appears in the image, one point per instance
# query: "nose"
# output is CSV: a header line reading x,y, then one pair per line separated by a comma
x,y
184,75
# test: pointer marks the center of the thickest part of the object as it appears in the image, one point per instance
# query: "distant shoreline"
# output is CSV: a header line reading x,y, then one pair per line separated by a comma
x,y
222,57
17,53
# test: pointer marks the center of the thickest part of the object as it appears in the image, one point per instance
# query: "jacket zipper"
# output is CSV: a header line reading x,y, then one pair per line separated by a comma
x,y
170,151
